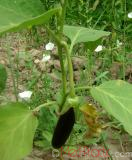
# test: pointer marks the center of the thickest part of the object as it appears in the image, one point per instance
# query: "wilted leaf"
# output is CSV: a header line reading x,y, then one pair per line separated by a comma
x,y
17,128
91,117
116,97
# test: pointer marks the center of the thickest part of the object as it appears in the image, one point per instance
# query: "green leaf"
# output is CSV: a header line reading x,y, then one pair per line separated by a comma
x,y
92,45
3,77
47,123
17,128
81,34
47,118
19,14
116,97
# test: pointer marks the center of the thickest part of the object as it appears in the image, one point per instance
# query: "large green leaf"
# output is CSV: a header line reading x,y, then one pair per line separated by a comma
x,y
18,14
3,77
17,128
116,97
81,34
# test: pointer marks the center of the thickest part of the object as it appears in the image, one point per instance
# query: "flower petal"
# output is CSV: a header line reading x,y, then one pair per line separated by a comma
x,y
99,48
130,15
46,58
26,95
49,46
118,43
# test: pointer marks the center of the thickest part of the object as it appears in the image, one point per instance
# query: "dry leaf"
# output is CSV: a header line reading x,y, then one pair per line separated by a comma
x,y
91,117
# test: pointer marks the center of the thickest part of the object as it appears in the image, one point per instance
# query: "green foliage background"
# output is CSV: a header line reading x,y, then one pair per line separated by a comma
x,y
99,14
89,12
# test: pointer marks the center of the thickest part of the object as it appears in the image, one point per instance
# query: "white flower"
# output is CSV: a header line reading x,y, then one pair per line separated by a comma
x,y
49,46
46,58
99,48
130,15
118,43
26,95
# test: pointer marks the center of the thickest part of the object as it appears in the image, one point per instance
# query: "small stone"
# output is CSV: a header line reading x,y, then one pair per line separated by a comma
x,y
36,61
42,66
35,52
2,62
78,63
76,76
57,65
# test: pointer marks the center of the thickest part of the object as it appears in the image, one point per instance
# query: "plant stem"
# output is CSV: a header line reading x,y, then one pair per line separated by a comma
x,y
107,149
70,68
83,88
109,154
55,37
58,42
62,18
12,73
64,81
62,44
124,39
63,101
37,109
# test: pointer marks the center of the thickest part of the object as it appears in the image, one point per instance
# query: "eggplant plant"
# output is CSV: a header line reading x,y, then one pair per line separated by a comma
x,y
17,122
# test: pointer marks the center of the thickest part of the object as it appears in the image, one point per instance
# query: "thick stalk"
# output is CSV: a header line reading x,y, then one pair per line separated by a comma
x,y
61,44
70,68
64,81
83,88
60,36
37,109
62,18
58,42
